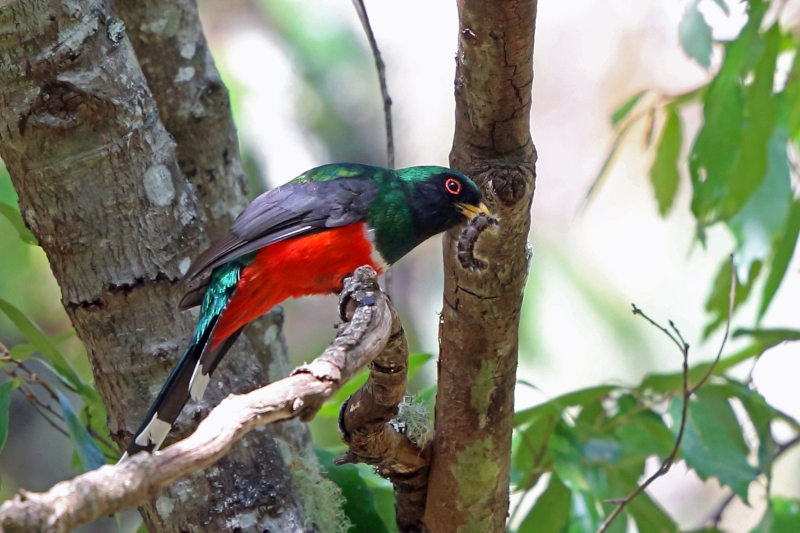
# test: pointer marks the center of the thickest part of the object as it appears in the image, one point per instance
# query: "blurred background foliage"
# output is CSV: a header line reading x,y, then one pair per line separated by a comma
x,y
680,119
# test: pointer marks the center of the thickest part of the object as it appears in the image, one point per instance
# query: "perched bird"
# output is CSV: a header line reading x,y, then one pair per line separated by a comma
x,y
299,239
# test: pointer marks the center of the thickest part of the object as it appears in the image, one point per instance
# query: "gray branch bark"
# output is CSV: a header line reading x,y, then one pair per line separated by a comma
x,y
112,488
468,485
101,187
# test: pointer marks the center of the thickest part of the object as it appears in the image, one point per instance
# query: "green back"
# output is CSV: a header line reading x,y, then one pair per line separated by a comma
x,y
389,214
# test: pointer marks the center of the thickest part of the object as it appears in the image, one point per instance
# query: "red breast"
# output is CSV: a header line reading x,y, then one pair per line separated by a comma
x,y
315,264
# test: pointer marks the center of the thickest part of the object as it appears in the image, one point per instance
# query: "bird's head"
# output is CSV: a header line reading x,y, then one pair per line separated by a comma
x,y
441,198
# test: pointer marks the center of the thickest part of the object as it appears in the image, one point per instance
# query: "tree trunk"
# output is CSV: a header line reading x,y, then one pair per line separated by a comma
x,y
101,188
468,486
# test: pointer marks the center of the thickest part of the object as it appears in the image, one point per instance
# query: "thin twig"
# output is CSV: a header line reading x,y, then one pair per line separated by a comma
x,y
667,464
28,394
687,394
31,378
380,67
637,311
731,301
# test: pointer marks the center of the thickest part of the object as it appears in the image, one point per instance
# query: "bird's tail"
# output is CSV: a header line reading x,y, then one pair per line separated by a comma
x,y
187,380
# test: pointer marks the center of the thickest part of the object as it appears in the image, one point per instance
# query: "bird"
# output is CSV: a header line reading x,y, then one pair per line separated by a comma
x,y
299,239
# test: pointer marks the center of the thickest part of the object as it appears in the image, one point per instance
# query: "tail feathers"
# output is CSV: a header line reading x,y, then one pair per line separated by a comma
x,y
173,396
208,362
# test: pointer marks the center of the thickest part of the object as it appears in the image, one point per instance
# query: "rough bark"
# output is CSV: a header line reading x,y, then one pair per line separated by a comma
x,y
100,187
468,485
192,102
363,336
194,106
369,426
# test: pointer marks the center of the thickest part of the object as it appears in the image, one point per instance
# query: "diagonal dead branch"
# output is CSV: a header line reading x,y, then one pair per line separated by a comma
x,y
112,488
365,426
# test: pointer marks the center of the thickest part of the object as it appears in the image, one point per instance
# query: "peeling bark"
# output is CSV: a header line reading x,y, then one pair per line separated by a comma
x,y
100,187
468,485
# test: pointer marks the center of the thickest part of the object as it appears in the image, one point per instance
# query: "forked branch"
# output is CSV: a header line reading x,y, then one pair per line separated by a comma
x,y
687,392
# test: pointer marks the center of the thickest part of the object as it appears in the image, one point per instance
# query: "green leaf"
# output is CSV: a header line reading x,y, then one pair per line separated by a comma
x,y
360,505
417,361
708,444
723,6
782,254
530,451
643,435
625,108
22,351
584,516
695,35
718,300
90,455
760,115
5,405
761,416
770,337
763,218
664,172
608,164
550,513
556,405
719,141
15,218
45,346
782,516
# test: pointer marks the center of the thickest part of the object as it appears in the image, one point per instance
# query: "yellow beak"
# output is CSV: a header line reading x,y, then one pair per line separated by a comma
x,y
471,211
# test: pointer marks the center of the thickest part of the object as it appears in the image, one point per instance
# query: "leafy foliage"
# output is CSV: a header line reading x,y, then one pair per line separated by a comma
x,y
739,165
592,446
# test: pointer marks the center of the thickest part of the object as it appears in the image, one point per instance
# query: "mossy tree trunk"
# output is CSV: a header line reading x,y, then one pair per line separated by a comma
x,y
469,479
101,186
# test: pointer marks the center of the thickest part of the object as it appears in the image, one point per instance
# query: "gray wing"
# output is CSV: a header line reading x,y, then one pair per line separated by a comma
x,y
292,210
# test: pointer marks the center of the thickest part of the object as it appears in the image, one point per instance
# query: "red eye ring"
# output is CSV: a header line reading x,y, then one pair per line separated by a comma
x,y
452,186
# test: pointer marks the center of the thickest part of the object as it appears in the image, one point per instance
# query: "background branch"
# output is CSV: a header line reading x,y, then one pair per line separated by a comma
x,y
361,10
112,488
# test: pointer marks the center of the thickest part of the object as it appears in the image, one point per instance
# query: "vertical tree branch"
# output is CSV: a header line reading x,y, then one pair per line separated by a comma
x,y
468,485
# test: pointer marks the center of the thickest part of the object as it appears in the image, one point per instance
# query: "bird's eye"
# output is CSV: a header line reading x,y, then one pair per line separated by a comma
x,y
452,186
